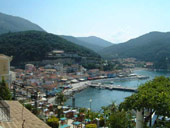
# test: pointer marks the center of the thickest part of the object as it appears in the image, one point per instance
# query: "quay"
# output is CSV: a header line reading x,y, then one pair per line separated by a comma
x,y
113,87
77,87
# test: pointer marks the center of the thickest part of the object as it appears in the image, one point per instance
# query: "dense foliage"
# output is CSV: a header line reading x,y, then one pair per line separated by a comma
x,y
28,106
110,116
5,93
153,95
53,122
154,47
15,24
34,46
117,118
91,126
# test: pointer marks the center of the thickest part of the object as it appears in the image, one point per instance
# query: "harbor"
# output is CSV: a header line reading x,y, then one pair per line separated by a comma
x,y
101,84
104,97
77,87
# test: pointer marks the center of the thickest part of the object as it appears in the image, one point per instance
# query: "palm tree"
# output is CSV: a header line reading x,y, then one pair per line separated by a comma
x,y
60,98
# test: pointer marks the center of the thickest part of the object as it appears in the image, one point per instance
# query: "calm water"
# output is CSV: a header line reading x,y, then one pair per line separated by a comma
x,y
105,97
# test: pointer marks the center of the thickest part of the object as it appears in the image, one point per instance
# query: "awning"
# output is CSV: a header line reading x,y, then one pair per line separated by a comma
x,y
74,81
65,126
64,79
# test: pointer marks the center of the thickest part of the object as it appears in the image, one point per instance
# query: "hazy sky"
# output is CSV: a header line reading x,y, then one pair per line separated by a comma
x,y
113,20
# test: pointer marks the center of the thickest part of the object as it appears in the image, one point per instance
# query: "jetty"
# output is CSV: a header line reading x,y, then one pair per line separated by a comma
x,y
113,87
77,87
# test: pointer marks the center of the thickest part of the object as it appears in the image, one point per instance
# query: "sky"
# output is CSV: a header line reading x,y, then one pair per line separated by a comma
x,y
113,20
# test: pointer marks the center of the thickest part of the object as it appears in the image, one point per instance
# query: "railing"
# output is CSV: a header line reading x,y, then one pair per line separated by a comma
x,y
4,111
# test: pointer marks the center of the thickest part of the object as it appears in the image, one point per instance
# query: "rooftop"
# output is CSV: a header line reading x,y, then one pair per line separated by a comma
x,y
31,121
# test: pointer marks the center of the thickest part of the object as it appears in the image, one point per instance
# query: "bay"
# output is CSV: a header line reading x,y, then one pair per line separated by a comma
x,y
104,97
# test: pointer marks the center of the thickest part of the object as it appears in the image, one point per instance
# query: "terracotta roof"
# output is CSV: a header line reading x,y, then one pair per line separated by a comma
x,y
31,121
49,87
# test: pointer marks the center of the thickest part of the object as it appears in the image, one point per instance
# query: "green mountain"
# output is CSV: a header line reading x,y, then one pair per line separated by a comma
x,y
82,43
94,43
154,46
10,23
35,45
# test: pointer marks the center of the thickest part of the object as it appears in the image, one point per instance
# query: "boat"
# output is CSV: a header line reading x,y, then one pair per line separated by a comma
x,y
142,77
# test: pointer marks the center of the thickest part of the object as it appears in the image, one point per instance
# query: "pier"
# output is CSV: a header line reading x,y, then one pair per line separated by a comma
x,y
113,87
77,87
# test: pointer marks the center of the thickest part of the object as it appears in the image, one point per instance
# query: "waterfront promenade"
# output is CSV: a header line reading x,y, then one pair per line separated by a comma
x,y
77,87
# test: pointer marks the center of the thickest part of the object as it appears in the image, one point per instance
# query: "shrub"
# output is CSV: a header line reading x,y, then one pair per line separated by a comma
x,y
28,106
53,122
5,93
91,126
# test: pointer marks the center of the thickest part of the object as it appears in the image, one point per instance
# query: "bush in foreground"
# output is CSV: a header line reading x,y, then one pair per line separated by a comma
x,y
91,126
53,122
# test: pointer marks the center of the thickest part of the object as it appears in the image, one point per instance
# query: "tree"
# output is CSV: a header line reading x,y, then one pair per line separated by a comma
x,y
120,119
60,98
23,46
117,118
153,95
5,93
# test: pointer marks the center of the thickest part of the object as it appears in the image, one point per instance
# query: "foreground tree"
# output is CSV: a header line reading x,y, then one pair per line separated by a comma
x,y
117,118
5,93
120,119
153,96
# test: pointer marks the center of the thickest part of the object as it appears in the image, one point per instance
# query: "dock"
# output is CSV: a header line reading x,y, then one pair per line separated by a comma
x,y
113,87
77,87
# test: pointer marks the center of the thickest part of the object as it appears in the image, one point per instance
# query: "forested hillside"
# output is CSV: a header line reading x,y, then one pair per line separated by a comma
x,y
83,43
10,23
34,46
154,46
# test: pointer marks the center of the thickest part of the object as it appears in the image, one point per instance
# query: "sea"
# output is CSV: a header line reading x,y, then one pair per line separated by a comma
x,y
104,97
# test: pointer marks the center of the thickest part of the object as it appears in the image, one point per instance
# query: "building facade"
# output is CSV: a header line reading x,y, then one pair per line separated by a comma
x,y
5,68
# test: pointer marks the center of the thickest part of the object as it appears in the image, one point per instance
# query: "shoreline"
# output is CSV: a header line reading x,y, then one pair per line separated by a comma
x,y
77,87
80,86
150,69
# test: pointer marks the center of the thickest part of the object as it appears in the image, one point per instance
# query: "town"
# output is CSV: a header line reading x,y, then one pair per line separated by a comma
x,y
84,64
37,88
